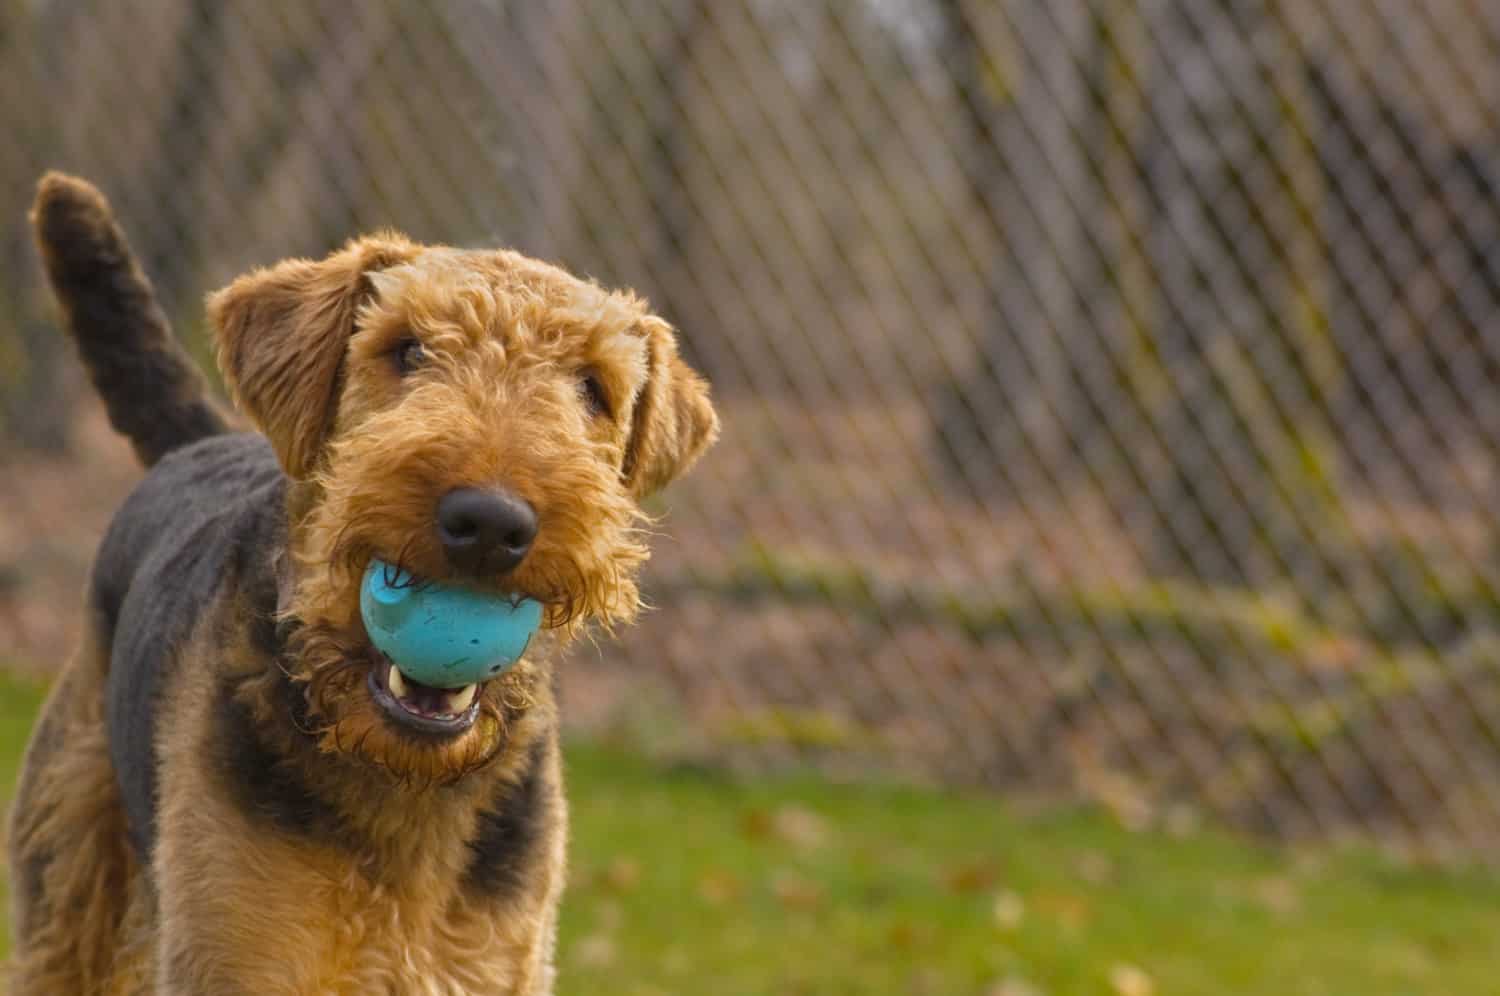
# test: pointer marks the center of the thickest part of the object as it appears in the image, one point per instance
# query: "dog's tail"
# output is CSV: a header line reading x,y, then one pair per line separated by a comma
x,y
154,394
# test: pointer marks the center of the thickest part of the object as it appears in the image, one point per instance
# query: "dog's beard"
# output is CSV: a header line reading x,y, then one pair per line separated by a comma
x,y
372,502
332,670
582,569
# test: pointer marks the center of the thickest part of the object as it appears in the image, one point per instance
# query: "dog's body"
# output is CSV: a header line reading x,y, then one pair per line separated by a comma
x,y
229,791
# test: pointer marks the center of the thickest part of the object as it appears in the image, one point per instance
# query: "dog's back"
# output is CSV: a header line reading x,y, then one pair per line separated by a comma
x,y
200,519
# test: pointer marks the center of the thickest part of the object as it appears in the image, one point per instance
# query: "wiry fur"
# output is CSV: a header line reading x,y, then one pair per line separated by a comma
x,y
213,802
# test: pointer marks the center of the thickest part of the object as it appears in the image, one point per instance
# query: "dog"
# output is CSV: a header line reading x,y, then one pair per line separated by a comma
x,y
228,791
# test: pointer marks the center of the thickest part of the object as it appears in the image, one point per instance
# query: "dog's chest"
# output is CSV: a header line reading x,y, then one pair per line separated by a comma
x,y
380,943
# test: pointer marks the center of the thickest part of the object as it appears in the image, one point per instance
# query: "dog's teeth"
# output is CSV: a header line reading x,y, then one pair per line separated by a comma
x,y
463,698
397,682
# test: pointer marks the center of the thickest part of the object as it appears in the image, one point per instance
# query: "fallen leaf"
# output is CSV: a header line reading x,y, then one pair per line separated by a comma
x,y
1094,867
1070,911
1123,797
719,888
1130,980
757,824
596,950
623,874
1014,986
1009,910
1182,820
976,876
924,982
797,893
800,827
1278,895
906,935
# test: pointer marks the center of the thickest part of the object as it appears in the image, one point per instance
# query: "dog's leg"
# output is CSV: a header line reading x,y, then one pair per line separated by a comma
x,y
240,916
70,859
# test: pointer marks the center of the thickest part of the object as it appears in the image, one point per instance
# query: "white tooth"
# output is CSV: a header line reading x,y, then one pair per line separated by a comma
x,y
397,682
463,698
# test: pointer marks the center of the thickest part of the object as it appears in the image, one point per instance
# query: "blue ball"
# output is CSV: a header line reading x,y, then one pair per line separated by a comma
x,y
441,635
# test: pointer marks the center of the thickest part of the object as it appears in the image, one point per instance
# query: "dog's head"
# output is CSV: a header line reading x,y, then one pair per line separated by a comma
x,y
475,417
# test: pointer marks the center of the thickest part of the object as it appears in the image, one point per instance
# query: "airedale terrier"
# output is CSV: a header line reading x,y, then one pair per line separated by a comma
x,y
228,791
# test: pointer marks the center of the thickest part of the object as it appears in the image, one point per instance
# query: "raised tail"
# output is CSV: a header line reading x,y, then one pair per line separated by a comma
x,y
154,394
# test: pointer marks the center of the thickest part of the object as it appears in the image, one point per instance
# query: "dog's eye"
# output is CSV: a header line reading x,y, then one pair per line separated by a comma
x,y
409,355
593,394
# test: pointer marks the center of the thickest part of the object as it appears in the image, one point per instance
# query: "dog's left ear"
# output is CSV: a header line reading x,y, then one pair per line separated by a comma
x,y
281,333
673,421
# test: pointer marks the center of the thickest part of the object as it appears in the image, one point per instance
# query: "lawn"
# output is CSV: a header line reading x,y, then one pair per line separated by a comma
x,y
692,882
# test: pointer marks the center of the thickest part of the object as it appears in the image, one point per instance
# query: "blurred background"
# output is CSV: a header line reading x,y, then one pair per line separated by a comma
x,y
1109,386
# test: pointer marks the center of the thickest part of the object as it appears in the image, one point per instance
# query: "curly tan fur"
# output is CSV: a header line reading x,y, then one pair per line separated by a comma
x,y
301,842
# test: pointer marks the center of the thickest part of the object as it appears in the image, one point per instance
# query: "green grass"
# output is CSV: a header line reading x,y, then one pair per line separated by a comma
x,y
688,882
682,884
19,702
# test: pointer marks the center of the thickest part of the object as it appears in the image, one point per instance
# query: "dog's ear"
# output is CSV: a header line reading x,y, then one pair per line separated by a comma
x,y
281,334
673,421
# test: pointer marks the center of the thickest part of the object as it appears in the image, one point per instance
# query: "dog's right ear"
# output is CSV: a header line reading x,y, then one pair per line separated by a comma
x,y
281,333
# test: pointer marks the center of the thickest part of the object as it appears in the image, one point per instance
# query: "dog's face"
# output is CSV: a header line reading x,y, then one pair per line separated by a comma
x,y
474,417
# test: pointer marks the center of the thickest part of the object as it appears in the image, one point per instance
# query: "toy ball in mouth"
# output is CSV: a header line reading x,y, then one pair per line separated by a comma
x,y
444,636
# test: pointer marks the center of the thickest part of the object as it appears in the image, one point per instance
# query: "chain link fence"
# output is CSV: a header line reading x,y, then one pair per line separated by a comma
x,y
1109,385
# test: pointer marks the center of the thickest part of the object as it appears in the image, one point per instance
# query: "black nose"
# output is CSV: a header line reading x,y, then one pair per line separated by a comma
x,y
485,531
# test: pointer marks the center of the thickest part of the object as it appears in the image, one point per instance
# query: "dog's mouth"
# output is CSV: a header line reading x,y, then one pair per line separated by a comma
x,y
423,708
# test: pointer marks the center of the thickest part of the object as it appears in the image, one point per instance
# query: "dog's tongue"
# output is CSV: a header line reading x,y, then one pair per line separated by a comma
x,y
444,636
424,700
